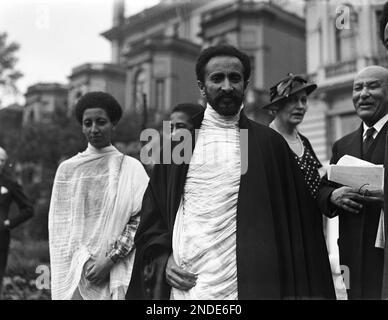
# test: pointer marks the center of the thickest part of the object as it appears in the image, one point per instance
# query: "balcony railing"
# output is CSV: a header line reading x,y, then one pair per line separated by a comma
x,y
381,61
341,68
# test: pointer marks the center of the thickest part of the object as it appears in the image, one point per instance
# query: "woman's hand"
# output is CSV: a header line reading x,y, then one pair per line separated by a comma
x,y
99,269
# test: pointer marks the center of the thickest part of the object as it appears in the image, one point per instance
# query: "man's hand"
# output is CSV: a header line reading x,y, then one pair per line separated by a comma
x,y
98,271
347,199
179,278
374,197
4,225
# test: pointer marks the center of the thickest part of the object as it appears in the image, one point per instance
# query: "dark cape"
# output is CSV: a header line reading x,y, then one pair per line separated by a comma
x,y
281,250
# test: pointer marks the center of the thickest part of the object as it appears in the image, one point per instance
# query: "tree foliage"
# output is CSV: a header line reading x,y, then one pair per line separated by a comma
x,y
8,72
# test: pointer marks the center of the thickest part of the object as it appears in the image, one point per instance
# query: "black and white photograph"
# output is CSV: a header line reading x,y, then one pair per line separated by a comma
x,y
193,151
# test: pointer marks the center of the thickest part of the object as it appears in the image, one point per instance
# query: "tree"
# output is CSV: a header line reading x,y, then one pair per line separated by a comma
x,y
8,72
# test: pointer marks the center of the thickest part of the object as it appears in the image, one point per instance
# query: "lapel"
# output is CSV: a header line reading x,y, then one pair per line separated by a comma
x,y
376,151
354,145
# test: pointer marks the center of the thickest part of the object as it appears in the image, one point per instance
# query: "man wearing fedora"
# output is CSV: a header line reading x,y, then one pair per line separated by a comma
x,y
361,226
236,221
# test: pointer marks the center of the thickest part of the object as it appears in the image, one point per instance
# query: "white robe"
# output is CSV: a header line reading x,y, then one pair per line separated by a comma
x,y
204,236
95,193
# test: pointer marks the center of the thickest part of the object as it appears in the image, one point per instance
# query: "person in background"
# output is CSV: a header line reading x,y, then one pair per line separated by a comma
x,y
182,116
93,216
10,191
289,104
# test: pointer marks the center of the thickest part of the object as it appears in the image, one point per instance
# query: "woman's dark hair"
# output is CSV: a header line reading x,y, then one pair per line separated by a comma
x,y
383,22
191,109
99,99
221,50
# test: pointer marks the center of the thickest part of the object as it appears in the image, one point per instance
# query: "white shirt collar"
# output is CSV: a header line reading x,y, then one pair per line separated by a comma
x,y
91,149
213,118
378,126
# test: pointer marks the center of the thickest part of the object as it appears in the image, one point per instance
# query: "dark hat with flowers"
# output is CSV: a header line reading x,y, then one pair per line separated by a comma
x,y
285,88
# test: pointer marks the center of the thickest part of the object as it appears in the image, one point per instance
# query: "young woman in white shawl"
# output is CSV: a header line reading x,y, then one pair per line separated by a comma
x,y
94,208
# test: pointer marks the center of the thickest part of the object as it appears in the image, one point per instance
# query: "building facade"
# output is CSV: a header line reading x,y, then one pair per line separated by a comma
x,y
88,77
158,47
42,99
342,38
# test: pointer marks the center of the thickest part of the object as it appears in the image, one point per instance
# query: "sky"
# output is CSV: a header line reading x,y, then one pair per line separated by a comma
x,y
57,35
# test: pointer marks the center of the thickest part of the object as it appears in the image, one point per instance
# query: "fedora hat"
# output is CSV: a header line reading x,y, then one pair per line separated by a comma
x,y
285,88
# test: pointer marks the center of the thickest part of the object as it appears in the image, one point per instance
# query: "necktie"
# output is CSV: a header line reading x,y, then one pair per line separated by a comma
x,y
368,140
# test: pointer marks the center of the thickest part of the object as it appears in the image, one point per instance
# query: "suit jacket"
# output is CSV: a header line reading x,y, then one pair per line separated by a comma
x,y
357,232
11,191
384,293
281,252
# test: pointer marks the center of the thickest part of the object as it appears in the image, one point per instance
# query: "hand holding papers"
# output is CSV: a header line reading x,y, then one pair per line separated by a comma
x,y
357,173
368,179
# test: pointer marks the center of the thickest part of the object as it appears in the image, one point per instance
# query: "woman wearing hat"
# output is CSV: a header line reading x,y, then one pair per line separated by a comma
x,y
289,105
93,215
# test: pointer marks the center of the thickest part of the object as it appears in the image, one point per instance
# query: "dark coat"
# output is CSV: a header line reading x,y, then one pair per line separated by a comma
x,y
357,232
12,191
384,294
281,251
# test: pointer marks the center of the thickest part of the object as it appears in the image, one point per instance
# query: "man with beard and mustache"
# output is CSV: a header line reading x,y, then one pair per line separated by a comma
x,y
361,231
236,221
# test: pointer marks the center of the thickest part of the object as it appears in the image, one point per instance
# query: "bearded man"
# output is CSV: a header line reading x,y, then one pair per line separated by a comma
x,y
236,221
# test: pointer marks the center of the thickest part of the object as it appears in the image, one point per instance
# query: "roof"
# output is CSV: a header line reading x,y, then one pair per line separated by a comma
x,y
97,68
46,87
160,12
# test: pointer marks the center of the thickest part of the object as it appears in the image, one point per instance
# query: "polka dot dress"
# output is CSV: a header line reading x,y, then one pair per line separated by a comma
x,y
309,166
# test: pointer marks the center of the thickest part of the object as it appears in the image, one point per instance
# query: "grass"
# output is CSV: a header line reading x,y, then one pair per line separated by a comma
x,y
23,259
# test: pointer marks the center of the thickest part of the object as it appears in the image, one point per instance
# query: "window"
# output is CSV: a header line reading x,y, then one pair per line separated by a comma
x,y
175,30
31,116
139,90
321,43
160,94
344,124
253,67
345,39
381,51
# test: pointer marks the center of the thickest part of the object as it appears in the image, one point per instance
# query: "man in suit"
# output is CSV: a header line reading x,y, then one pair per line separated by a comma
x,y
360,211
10,191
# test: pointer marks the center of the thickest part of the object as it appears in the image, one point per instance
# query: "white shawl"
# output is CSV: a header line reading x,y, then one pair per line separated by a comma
x,y
204,236
95,193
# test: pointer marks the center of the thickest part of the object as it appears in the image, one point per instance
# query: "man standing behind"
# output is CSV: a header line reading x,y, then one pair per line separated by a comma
x,y
360,223
10,191
237,221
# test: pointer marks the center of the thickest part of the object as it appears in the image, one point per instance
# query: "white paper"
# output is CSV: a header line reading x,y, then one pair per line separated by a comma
x,y
347,160
357,173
